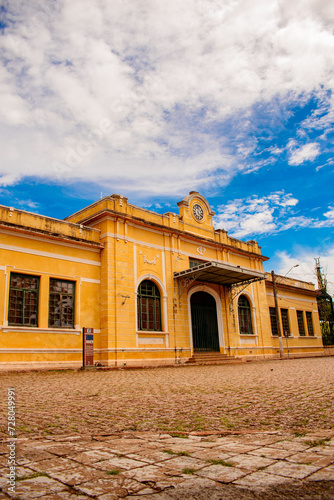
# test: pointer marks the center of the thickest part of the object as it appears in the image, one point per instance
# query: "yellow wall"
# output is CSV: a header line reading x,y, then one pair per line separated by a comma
x,y
107,249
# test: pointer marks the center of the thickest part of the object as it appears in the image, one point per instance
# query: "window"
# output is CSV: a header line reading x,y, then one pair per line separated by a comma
x,y
23,300
300,319
148,307
245,316
273,321
196,262
285,322
309,323
61,304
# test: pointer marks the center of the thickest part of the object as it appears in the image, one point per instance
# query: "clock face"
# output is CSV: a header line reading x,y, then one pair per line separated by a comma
x,y
198,212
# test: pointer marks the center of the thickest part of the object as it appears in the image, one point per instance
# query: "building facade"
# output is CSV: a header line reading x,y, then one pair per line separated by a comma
x,y
155,289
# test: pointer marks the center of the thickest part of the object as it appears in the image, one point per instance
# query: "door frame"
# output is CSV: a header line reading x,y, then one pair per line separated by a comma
x,y
215,295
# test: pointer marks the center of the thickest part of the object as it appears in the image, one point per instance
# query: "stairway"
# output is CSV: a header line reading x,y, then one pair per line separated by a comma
x,y
211,358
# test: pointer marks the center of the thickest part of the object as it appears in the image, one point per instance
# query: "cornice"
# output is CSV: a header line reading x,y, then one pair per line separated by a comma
x,y
50,235
173,231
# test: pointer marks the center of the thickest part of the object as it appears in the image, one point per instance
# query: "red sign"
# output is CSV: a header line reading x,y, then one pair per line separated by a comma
x,y
88,347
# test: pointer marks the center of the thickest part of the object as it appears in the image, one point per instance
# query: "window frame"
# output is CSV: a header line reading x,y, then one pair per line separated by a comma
x,y
288,321
25,291
65,295
301,323
309,316
245,316
274,328
144,300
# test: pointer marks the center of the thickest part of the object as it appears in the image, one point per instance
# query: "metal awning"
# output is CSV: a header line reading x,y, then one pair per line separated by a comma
x,y
223,274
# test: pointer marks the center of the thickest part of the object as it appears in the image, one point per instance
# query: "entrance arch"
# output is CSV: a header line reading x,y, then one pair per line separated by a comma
x,y
205,334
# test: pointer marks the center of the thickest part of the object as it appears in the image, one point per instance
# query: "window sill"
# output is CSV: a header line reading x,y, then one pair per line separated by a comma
x,y
34,329
248,335
151,332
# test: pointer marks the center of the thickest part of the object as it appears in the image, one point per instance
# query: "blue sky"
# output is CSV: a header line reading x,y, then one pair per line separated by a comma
x,y
151,100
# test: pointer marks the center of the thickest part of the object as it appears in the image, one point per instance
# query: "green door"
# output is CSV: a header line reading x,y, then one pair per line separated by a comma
x,y
204,322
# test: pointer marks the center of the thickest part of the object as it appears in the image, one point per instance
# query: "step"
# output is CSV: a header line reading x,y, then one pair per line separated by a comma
x,y
210,358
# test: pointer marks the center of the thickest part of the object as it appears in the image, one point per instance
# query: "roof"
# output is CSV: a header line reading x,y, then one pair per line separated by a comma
x,y
223,274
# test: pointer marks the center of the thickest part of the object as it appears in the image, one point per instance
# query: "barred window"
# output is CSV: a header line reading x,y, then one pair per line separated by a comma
x,y
273,321
61,304
196,262
309,323
23,300
301,327
285,322
245,316
148,307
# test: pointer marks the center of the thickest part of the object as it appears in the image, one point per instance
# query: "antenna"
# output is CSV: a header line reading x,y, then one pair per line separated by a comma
x,y
322,281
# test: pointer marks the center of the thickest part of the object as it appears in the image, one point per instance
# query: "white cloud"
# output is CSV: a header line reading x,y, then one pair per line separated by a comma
x,y
161,72
254,215
308,152
305,258
266,215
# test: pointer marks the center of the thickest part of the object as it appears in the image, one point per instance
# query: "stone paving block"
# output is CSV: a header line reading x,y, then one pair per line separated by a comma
x,y
30,489
311,458
5,497
203,445
180,463
4,480
287,469
221,473
326,474
150,456
187,447
64,449
122,448
237,448
290,445
72,439
150,473
4,449
25,456
321,450
260,480
55,464
143,494
77,475
117,485
212,454
118,463
89,457
64,495
93,445
259,439
251,462
269,452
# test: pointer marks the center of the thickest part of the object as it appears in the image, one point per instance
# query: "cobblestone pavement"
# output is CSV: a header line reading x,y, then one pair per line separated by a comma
x,y
260,430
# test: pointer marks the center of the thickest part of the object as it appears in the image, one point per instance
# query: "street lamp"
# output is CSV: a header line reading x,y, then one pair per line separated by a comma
x,y
296,265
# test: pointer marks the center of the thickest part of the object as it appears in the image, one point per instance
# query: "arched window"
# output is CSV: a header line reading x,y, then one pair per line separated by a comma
x,y
245,316
148,307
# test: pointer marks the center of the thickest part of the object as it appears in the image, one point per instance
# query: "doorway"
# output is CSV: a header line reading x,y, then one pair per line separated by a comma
x,y
204,322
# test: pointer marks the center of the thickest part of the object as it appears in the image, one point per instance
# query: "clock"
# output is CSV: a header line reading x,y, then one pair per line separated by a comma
x,y
198,212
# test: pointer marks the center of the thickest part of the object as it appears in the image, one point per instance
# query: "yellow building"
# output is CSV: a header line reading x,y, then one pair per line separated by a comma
x,y
154,288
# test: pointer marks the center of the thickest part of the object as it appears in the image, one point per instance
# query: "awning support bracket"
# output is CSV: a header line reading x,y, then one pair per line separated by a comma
x,y
240,287
184,284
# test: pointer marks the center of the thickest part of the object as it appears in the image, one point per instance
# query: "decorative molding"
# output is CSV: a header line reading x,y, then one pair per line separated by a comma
x,y
14,248
20,329
152,262
201,250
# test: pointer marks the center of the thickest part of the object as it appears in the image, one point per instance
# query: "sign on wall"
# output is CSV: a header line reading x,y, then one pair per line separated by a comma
x,y
88,346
